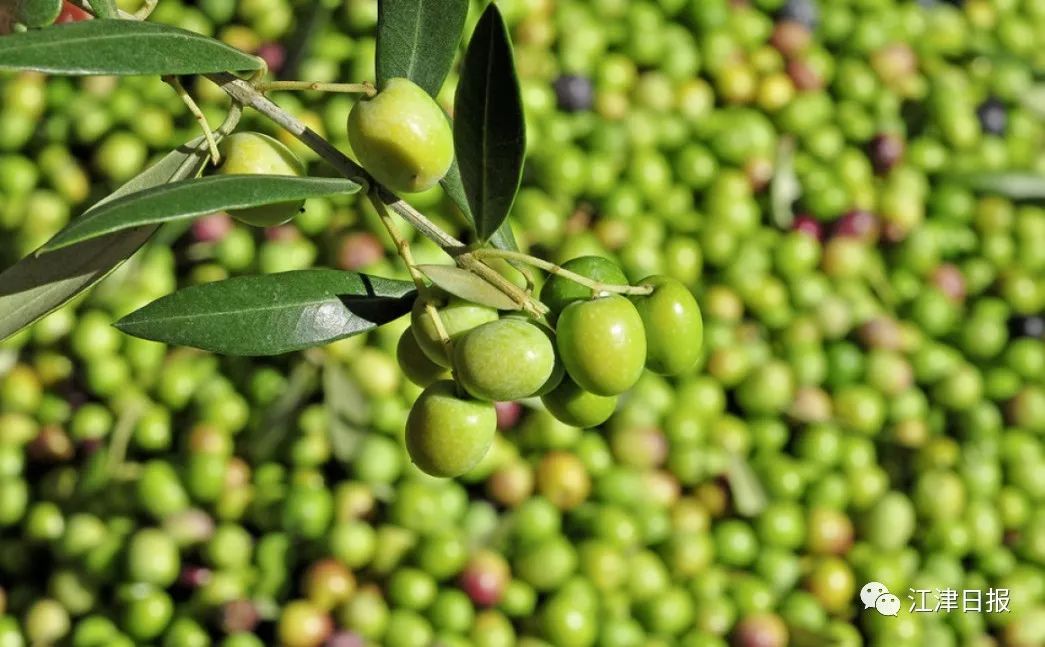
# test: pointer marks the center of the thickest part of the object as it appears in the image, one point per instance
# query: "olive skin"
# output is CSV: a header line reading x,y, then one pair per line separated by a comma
x,y
402,137
303,624
673,323
504,360
574,406
458,317
447,435
559,292
258,154
415,364
602,344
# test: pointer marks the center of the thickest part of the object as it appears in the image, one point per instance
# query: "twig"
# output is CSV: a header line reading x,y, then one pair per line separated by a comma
x,y
244,93
401,244
345,88
552,268
198,114
403,247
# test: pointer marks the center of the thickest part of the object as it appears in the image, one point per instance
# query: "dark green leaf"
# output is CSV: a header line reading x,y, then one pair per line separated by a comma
x,y
451,183
38,13
1016,185
347,411
104,8
489,130
35,286
504,239
272,314
468,286
417,40
192,198
120,47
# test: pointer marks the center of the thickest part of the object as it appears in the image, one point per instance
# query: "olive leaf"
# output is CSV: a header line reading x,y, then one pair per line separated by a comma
x,y
468,286
417,40
34,286
1016,185
120,47
503,238
272,314
189,199
489,129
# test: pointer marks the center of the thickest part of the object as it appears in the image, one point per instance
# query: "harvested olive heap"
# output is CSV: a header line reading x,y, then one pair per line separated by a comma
x,y
851,190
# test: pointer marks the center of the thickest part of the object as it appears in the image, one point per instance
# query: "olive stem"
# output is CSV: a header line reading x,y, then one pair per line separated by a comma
x,y
440,329
401,244
201,119
552,268
345,88
472,262
423,292
146,9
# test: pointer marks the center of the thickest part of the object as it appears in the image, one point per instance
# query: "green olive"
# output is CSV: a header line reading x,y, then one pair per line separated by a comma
x,y
415,363
402,137
602,344
504,360
674,327
152,557
303,624
559,292
574,406
252,153
458,317
446,434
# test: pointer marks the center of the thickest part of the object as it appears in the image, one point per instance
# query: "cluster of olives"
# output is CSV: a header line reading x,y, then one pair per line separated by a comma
x,y
598,349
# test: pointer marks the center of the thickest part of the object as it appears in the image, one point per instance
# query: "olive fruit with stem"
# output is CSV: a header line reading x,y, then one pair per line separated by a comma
x,y
402,137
